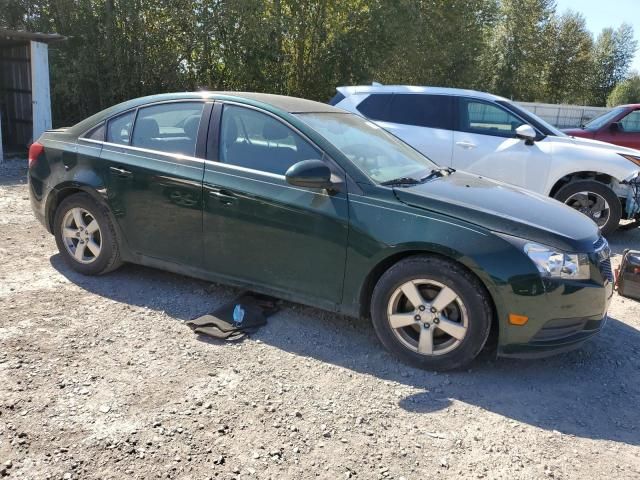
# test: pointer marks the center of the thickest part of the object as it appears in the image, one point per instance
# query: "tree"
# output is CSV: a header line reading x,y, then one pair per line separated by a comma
x,y
612,57
625,92
570,61
120,49
520,49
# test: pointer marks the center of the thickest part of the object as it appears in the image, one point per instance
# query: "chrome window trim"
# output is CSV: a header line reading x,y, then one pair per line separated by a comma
x,y
178,157
160,102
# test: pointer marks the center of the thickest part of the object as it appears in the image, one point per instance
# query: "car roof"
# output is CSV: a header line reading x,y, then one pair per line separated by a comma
x,y
269,101
375,88
281,102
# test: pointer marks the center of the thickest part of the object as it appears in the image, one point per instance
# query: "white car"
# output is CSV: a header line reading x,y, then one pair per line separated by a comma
x,y
491,136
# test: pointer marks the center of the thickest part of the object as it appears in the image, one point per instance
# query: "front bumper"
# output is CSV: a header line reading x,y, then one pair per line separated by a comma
x,y
564,315
556,336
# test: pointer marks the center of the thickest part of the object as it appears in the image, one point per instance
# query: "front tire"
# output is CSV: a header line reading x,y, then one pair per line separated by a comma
x,y
85,235
596,200
431,313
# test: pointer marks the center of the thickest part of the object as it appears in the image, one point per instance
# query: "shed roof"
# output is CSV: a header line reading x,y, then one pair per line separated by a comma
x,y
23,35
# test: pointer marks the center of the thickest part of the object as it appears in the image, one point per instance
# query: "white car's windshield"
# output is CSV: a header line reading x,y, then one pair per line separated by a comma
x,y
602,120
380,155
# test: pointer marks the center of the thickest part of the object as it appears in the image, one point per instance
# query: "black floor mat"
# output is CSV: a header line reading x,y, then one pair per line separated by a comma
x,y
233,320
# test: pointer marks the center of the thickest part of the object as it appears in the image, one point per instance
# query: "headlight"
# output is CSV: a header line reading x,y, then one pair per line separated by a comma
x,y
633,158
554,264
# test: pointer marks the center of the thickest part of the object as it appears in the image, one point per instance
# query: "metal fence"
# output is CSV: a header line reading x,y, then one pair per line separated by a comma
x,y
564,116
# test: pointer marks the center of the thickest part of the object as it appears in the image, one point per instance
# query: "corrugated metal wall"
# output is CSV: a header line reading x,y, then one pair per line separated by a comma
x,y
564,116
15,95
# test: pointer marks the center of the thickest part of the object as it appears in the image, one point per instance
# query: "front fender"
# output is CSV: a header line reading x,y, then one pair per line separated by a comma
x,y
376,244
570,159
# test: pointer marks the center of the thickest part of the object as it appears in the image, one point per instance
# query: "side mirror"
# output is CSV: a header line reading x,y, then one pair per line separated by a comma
x,y
526,133
615,127
309,174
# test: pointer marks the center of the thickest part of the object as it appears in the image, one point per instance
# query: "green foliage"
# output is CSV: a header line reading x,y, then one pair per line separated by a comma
x,y
120,49
625,92
612,56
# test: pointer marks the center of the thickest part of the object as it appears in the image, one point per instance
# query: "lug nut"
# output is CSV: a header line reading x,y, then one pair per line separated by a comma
x,y
417,318
421,308
433,310
436,320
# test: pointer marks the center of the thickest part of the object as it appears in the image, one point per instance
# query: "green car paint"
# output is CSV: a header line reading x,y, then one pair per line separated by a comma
x,y
197,216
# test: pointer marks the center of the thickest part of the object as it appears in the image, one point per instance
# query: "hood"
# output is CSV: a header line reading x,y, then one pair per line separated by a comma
x,y
581,141
504,208
578,132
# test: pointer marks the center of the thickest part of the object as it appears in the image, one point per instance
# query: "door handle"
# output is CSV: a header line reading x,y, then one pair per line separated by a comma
x,y
466,145
120,172
222,197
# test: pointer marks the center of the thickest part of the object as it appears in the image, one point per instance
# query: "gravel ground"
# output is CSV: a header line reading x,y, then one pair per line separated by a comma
x,y
100,378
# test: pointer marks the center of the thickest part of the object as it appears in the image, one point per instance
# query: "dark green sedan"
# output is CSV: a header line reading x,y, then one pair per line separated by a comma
x,y
312,204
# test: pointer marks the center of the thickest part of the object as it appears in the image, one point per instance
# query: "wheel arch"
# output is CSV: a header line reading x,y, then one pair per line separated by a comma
x,y
366,291
63,191
597,176
67,189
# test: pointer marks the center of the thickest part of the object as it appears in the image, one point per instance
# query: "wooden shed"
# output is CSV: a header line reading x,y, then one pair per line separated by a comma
x,y
25,103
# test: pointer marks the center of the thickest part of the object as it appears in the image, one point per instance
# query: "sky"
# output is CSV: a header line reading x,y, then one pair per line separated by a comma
x,y
600,14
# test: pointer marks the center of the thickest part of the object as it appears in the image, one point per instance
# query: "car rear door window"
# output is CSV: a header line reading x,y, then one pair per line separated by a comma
x,y
376,106
168,127
119,128
487,119
420,110
631,123
255,140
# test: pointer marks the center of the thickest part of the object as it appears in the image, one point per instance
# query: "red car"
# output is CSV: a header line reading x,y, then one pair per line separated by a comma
x,y
620,126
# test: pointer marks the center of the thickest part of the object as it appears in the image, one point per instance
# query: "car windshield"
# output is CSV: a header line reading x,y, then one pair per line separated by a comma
x,y
380,155
603,119
534,120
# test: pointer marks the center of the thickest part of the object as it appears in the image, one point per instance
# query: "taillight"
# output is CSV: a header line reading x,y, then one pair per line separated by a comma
x,y
35,150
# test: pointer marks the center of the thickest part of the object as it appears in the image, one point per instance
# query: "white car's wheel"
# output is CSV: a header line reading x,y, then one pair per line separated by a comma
x,y
596,200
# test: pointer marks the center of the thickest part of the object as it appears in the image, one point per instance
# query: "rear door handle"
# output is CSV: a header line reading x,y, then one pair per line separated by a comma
x,y
120,172
223,197
466,145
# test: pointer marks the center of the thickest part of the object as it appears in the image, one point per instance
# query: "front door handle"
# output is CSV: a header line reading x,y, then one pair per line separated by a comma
x,y
223,197
120,172
466,145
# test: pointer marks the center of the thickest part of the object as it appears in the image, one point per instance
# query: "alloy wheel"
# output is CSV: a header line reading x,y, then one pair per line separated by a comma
x,y
427,317
592,205
81,235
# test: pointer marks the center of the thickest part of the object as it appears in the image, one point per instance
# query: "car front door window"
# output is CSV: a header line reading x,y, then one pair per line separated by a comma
x,y
255,140
487,119
631,123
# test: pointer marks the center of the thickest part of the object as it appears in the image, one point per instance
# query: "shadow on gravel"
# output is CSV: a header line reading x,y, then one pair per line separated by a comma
x,y
593,392
13,172
621,239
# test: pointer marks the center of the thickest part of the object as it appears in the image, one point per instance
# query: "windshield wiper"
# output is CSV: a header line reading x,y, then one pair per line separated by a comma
x,y
402,181
436,172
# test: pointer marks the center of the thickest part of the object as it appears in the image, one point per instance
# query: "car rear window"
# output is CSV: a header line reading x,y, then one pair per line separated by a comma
x,y
376,106
336,99
415,109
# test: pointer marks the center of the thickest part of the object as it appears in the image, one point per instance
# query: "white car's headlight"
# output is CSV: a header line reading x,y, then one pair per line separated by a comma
x,y
555,264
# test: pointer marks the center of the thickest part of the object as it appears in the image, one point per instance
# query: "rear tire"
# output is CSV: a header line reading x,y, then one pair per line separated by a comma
x,y
596,200
85,235
435,297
